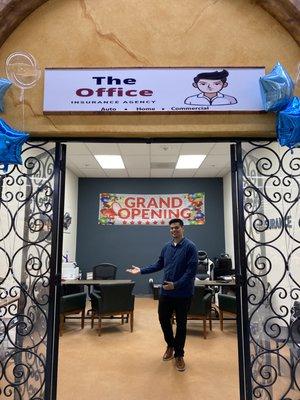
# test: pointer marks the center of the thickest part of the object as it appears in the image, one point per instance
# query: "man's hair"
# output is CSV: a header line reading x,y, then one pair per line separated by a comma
x,y
216,75
176,221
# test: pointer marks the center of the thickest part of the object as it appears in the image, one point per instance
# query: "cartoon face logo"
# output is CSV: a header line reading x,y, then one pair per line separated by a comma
x,y
210,85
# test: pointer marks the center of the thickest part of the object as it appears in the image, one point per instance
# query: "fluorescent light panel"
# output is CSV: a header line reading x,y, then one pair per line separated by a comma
x,y
110,161
190,161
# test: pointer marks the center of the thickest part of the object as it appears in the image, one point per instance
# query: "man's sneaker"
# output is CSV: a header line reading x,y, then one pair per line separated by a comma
x,y
180,364
169,354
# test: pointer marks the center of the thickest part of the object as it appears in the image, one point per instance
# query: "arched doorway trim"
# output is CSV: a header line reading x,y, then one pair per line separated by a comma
x,y
13,12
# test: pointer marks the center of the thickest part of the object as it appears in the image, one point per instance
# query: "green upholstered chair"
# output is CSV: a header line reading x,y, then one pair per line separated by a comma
x,y
113,299
200,308
227,304
72,304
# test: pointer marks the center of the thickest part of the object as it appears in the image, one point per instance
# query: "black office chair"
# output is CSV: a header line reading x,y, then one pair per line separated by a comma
x,y
200,308
104,271
223,267
227,304
113,299
72,304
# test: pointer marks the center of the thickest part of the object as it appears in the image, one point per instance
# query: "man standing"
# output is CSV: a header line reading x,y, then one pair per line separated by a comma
x,y
178,259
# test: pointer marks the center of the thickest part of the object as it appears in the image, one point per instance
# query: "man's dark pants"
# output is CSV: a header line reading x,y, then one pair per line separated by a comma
x,y
180,307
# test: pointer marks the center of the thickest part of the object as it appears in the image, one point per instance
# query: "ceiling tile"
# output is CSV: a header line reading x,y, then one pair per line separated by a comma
x,y
164,158
158,149
138,173
134,149
94,173
221,148
137,161
104,148
116,173
84,162
224,171
184,173
73,168
196,148
77,149
161,173
216,161
207,173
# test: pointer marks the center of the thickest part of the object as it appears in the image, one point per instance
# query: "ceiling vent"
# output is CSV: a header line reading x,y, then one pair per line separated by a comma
x,y
162,165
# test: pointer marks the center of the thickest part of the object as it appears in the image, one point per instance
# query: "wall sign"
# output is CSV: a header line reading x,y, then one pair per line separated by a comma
x,y
147,209
152,90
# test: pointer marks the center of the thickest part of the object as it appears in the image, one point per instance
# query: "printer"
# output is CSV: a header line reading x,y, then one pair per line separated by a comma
x,y
69,270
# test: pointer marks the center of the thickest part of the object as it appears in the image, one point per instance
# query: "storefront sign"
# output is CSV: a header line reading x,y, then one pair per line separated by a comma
x,y
147,209
152,90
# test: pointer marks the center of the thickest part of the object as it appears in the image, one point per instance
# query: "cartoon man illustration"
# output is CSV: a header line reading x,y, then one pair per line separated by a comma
x,y
210,85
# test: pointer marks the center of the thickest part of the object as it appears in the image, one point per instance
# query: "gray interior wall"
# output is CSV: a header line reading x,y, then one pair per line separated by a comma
x,y
141,245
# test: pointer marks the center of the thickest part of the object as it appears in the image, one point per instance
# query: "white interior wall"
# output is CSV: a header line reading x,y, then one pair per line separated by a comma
x,y
71,207
228,218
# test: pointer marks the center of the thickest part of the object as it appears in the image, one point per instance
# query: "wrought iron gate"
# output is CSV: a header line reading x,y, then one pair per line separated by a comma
x,y
30,244
268,189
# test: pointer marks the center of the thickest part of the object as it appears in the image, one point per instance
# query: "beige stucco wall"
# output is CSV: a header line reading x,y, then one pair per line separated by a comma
x,y
129,33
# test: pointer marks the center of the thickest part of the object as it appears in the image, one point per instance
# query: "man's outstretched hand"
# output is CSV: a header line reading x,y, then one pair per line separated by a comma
x,y
134,270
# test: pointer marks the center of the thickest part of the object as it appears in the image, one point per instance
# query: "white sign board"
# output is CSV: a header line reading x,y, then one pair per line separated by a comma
x,y
152,90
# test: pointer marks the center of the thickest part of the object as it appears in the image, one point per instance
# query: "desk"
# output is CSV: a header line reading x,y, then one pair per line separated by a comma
x,y
199,282
90,282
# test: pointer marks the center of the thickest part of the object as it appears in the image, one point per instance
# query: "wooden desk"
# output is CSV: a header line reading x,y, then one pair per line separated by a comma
x,y
199,282
89,282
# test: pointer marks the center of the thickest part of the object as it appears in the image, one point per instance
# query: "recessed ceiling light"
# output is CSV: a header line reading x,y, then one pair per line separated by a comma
x,y
110,161
190,161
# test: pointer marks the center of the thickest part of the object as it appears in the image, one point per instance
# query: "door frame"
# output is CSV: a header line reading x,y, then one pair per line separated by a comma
x,y
239,244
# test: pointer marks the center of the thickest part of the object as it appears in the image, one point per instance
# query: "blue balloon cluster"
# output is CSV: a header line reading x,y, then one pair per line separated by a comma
x,y
276,89
277,95
288,124
11,142
4,85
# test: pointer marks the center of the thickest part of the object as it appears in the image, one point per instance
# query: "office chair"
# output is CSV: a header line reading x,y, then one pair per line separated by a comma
x,y
72,304
104,271
200,308
227,303
113,299
223,267
203,264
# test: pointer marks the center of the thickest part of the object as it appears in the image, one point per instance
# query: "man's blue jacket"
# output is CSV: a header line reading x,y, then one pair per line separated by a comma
x,y
179,264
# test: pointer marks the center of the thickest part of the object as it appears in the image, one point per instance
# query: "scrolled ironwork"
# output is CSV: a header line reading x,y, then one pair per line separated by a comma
x,y
26,213
271,190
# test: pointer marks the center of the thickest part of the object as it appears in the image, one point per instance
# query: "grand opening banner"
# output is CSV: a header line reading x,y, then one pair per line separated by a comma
x,y
152,90
147,209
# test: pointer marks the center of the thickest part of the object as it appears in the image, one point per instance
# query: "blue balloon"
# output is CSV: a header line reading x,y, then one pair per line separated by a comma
x,y
276,89
4,85
288,124
11,142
